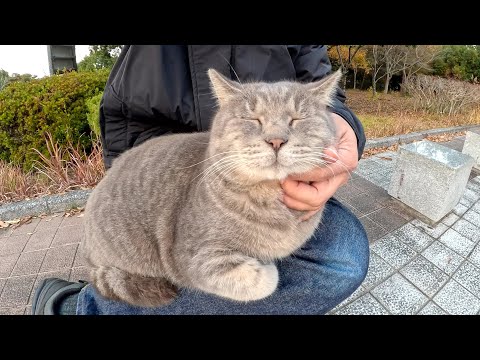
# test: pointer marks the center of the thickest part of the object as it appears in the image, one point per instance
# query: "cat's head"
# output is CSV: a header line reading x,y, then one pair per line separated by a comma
x,y
267,131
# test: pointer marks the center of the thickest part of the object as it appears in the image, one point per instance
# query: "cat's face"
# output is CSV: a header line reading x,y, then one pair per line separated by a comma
x,y
271,130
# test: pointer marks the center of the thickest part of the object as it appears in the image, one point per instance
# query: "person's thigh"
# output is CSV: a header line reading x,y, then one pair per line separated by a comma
x,y
317,277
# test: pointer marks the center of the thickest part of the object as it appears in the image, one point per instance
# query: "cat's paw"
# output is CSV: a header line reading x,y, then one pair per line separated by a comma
x,y
254,281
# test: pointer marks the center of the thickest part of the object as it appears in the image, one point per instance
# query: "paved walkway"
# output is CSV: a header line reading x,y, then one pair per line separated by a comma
x,y
414,269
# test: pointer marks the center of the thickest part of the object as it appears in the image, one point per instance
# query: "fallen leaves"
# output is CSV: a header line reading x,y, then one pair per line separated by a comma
x,y
445,137
374,151
75,211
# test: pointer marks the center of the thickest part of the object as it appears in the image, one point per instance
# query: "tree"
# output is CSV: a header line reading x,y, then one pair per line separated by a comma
x,y
3,78
418,58
21,77
460,62
100,57
345,56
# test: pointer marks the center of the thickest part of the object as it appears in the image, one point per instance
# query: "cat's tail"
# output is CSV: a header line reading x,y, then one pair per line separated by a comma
x,y
138,290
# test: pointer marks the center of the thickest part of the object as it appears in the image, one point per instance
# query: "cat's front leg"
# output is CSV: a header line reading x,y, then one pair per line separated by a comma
x,y
237,277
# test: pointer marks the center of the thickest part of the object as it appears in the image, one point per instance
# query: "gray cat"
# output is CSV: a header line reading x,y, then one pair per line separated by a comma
x,y
203,210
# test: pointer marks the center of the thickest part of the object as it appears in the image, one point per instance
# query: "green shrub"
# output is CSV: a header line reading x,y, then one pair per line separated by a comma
x,y
93,106
54,104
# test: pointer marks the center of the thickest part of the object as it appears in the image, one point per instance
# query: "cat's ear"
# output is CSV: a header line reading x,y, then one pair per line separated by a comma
x,y
223,88
326,89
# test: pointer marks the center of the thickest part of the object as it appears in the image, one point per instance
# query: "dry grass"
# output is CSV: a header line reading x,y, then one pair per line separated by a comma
x,y
62,170
393,114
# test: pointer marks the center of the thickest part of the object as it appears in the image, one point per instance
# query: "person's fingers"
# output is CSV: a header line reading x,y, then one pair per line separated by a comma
x,y
297,205
301,192
304,197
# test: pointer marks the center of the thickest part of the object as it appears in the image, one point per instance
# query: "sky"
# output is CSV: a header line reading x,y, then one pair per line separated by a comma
x,y
31,59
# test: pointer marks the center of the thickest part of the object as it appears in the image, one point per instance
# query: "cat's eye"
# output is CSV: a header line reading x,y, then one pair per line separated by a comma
x,y
290,123
252,119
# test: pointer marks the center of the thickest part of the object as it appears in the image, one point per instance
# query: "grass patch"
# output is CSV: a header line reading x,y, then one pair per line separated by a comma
x,y
63,169
394,114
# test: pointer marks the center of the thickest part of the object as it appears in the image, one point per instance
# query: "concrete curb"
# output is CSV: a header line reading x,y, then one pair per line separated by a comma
x,y
415,136
46,204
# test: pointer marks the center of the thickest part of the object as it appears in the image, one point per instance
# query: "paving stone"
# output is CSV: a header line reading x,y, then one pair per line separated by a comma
x,y
473,217
476,207
365,305
29,263
365,203
71,220
432,309
40,239
460,209
468,275
68,235
50,222
457,242
357,293
347,191
2,284
396,206
433,231
393,251
374,231
474,257
357,213
456,300
388,219
79,259
424,275
16,291
80,273
450,219
471,195
13,244
7,264
399,296
26,229
378,270
413,237
12,311
60,257
364,185
443,257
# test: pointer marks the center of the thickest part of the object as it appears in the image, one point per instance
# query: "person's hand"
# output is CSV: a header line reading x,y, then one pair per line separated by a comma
x,y
310,191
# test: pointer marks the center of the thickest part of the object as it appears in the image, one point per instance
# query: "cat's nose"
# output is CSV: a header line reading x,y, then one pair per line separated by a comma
x,y
276,143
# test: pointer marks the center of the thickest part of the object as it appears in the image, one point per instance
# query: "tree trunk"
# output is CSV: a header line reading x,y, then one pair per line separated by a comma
x,y
404,80
387,82
354,79
374,84
363,80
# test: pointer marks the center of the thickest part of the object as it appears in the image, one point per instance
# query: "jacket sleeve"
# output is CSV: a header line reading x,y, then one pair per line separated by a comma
x,y
311,63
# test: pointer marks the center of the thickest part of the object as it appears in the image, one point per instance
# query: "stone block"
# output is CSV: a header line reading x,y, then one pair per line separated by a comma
x,y
471,147
430,178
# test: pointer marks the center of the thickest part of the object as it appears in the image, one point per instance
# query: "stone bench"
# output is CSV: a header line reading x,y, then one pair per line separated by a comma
x,y
472,147
430,178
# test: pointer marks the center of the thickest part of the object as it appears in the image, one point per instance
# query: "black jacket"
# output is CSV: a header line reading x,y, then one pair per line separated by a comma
x,y
158,89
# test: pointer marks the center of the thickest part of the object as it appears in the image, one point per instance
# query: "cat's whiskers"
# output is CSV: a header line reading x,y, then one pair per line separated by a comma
x,y
213,169
337,161
214,165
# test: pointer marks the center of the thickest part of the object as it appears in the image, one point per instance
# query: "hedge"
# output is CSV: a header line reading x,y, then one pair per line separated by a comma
x,y
55,104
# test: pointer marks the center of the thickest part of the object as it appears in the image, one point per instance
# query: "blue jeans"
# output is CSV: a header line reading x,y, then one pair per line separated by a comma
x,y
316,278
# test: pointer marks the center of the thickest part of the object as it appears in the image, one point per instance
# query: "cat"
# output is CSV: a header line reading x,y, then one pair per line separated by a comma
x,y
204,210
